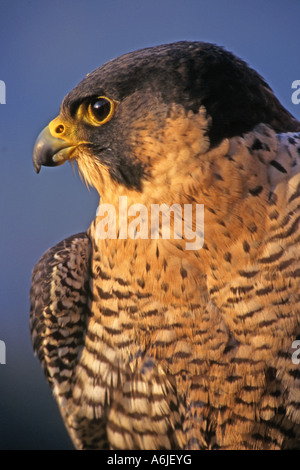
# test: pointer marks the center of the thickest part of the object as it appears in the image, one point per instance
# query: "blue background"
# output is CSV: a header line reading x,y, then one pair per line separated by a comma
x,y
45,49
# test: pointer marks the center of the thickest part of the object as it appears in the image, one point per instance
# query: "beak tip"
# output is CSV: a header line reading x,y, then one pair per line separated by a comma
x,y
49,150
36,164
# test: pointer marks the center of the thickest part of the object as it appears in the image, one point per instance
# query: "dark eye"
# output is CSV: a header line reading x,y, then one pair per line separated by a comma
x,y
100,110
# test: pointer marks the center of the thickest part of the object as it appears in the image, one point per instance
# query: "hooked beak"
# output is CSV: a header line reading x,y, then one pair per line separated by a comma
x,y
51,150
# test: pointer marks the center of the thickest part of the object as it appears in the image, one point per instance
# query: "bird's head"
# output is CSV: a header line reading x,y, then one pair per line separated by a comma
x,y
142,122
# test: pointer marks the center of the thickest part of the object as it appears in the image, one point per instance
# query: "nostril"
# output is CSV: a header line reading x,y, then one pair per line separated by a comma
x,y
59,129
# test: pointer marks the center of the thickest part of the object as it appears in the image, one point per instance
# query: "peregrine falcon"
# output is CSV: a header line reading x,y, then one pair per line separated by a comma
x,y
148,345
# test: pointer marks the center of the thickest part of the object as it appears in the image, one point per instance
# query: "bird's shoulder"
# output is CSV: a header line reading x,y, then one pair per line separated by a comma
x,y
58,297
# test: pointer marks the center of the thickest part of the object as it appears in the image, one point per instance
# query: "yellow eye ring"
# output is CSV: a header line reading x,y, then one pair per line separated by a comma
x,y
100,110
